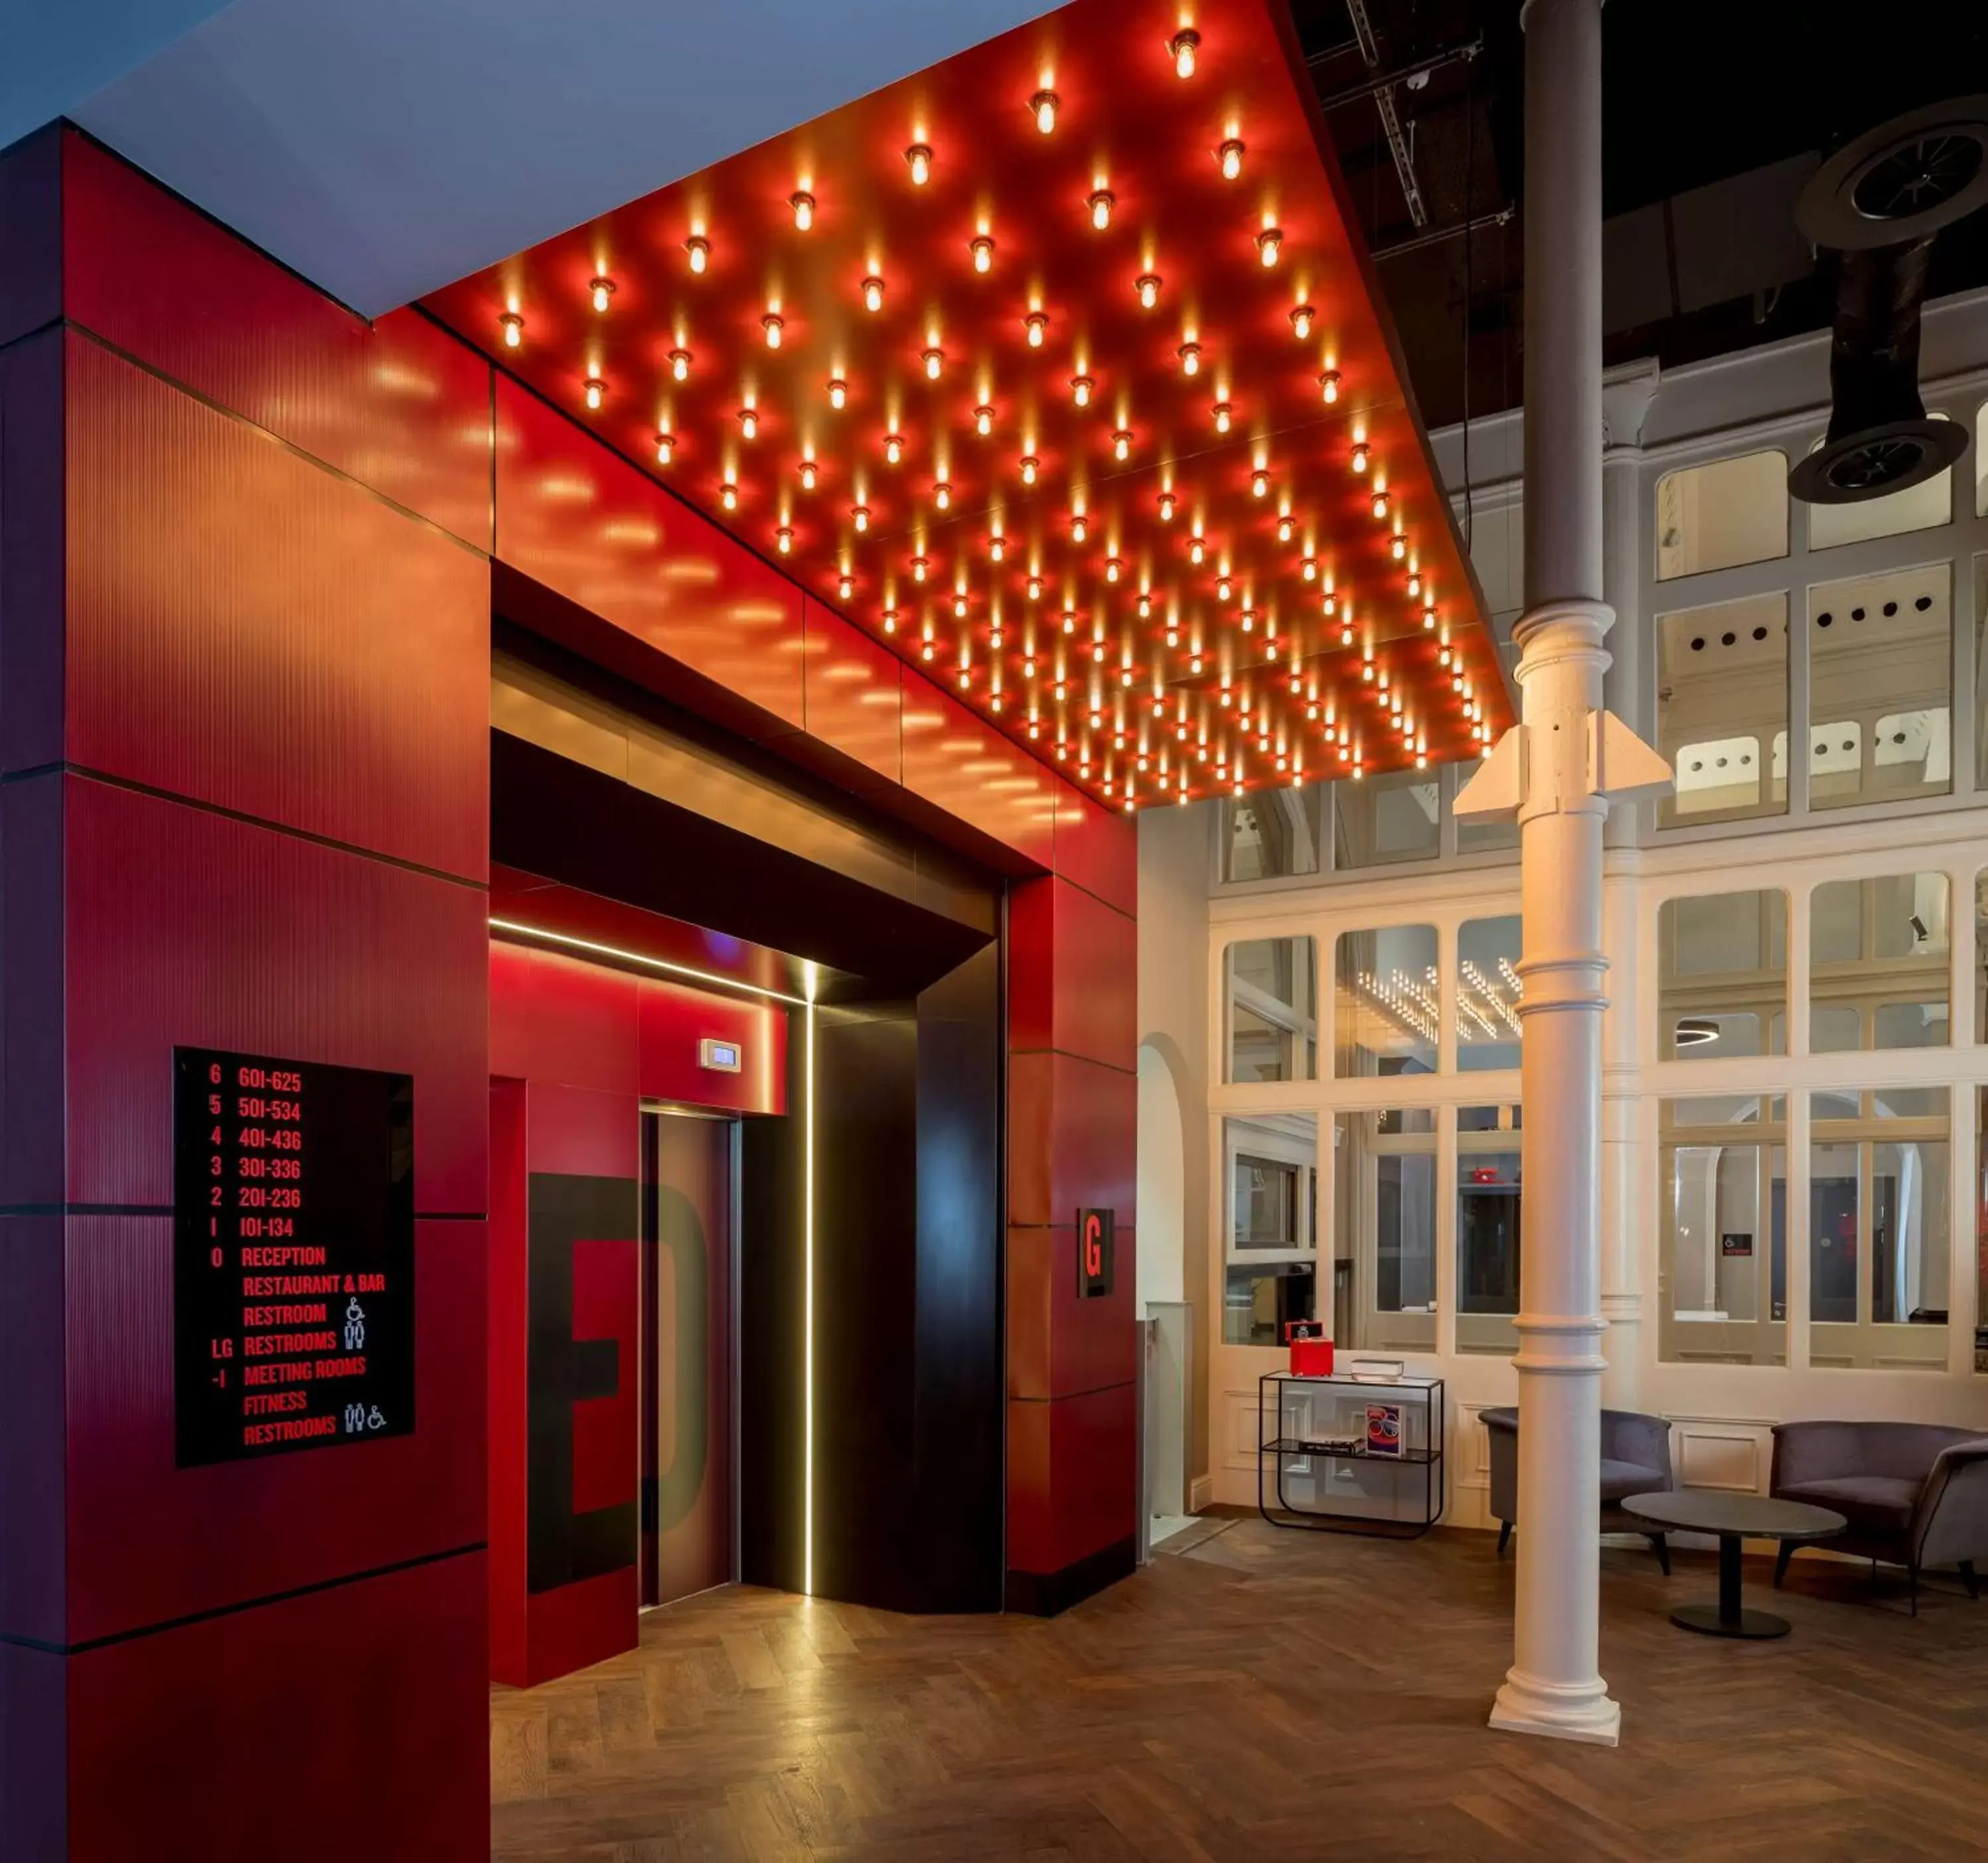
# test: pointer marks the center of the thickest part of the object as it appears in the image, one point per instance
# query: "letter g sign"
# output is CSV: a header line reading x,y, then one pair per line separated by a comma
x,y
1093,1253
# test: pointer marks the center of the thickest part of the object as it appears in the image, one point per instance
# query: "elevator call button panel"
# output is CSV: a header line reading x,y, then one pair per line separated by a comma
x,y
293,1255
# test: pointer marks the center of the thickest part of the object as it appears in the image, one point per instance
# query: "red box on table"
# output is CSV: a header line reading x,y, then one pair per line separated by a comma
x,y
1311,1351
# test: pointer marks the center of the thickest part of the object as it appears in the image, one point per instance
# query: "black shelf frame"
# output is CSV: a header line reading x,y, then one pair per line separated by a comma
x,y
1278,1450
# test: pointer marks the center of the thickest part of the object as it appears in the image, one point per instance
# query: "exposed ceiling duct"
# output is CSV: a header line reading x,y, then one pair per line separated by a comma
x,y
1878,203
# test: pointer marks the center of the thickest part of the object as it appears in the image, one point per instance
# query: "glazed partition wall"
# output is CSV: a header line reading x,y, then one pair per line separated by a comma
x,y
246,597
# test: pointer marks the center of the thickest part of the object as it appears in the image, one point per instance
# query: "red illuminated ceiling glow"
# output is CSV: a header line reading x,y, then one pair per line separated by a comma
x,y
1058,366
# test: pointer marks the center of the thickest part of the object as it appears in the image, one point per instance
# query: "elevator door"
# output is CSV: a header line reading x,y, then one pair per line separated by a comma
x,y
686,1312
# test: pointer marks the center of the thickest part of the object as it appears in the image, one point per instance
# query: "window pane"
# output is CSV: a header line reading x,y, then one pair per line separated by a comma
x,y
1723,1270
1385,1002
1378,820
1487,994
1722,976
1272,1017
1918,507
1878,952
1733,510
1879,1222
1981,669
1722,709
1480,837
1271,1164
1981,1232
1272,834
1487,1228
1881,665
1384,1228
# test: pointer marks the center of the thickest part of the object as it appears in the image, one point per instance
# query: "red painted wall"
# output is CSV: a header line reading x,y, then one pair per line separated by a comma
x,y
245,596
577,1048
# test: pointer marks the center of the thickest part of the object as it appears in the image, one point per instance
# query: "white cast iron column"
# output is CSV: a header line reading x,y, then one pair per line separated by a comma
x,y
1556,766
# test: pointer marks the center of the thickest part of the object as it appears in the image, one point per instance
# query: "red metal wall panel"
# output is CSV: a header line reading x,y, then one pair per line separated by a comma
x,y
349,1722
187,927
553,1018
1097,850
34,1752
398,405
360,717
33,1453
1077,1001
218,1535
1073,1138
583,1624
506,1343
588,525
674,1021
31,525
852,699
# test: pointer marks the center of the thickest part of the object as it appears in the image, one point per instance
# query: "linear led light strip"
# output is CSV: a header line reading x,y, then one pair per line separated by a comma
x,y
810,982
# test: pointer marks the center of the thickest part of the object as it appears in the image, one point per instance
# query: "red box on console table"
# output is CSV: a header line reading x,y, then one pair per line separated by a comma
x,y
1311,1351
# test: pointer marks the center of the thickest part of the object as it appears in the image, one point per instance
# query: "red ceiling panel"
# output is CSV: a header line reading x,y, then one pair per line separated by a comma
x,y
1172,583
853,697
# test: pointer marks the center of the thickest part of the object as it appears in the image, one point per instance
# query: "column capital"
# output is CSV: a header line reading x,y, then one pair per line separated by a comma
x,y
1561,625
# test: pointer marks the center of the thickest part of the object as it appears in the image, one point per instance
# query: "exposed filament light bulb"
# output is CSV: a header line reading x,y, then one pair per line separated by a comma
x,y
873,293
838,392
1398,546
1190,357
1030,465
1328,386
773,325
596,391
1380,504
802,203
1183,46
1360,456
1037,325
894,448
666,448
1301,321
1148,285
784,537
748,422
1121,444
1080,386
1259,484
919,566
1080,527
1112,569
1222,416
919,158
679,365
513,327
728,495
983,420
1285,526
809,473
935,361
697,249
941,495
1101,204
982,250
1043,104
602,290
859,516
1268,242
1230,156
1167,503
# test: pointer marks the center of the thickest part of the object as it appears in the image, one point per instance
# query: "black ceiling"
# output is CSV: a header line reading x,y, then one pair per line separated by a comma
x,y
1695,92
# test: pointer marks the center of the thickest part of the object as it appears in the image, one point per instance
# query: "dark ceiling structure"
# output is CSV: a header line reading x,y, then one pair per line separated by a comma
x,y
1714,116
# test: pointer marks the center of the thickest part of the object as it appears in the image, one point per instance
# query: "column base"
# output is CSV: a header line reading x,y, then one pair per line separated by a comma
x,y
1555,1711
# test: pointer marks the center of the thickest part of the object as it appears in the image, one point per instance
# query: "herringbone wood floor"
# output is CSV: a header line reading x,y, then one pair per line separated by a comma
x,y
1264,1697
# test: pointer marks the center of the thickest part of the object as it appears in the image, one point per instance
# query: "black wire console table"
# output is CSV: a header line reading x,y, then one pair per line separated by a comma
x,y
1350,1454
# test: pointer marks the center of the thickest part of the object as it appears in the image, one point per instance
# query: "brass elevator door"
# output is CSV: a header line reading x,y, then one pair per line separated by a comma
x,y
686,1444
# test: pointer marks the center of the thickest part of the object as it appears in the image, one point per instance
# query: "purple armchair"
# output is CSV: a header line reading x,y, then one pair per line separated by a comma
x,y
1635,1460
1914,1494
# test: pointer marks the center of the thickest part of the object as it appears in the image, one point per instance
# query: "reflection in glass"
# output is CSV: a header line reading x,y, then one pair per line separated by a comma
x,y
1879,951
1879,1220
1722,1270
1721,976
1378,820
1487,1228
1270,1163
1881,683
1384,1228
1723,709
1385,1005
1720,515
1476,837
1272,1017
1272,834
1487,994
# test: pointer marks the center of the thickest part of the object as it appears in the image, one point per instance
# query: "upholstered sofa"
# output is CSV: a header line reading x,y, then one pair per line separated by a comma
x,y
1635,1460
1914,1494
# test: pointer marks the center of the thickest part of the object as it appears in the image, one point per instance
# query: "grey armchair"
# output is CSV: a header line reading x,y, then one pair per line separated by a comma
x,y
1635,1460
1914,1494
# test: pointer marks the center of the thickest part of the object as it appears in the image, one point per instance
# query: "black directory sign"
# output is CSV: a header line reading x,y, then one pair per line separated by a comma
x,y
293,1255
